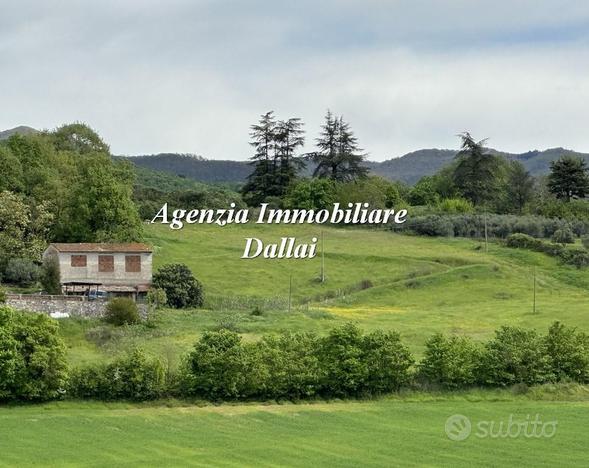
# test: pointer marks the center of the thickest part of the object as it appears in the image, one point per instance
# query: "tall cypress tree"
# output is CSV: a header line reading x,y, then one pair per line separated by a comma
x,y
339,156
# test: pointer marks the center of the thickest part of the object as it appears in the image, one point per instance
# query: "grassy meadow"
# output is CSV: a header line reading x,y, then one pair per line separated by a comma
x,y
377,279
395,431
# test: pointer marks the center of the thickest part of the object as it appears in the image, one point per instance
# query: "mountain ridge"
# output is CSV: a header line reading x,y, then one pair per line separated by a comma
x,y
408,168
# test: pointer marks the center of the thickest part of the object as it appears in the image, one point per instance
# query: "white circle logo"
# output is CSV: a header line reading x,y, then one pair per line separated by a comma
x,y
458,427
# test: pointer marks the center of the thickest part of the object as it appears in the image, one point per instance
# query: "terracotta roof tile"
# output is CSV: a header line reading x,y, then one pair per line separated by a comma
x,y
101,247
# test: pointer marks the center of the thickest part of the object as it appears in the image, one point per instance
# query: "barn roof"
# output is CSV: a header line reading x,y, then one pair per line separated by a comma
x,y
102,247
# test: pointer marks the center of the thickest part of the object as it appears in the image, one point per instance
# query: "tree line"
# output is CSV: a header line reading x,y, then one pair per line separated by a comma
x,y
276,164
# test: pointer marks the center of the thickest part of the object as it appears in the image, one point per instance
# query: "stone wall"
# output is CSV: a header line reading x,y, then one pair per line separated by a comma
x,y
62,306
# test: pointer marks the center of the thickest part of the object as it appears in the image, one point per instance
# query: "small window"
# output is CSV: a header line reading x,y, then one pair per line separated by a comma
x,y
133,263
78,260
106,263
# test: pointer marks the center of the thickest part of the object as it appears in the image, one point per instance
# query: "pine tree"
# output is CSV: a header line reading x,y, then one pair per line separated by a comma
x,y
289,136
275,164
568,178
520,186
339,157
476,174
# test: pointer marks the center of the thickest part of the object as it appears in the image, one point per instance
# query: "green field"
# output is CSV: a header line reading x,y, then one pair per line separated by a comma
x,y
419,286
390,432
414,285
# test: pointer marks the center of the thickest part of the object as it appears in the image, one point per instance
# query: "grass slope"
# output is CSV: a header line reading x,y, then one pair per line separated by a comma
x,y
420,286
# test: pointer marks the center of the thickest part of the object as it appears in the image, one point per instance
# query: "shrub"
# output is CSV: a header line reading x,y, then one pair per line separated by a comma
x,y
456,205
575,257
388,362
353,364
32,356
156,298
340,358
499,226
122,311
132,377
181,287
290,365
2,295
585,242
21,271
50,277
563,236
450,362
514,356
568,352
219,367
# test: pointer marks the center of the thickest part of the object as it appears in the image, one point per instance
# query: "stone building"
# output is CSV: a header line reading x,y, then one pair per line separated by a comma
x,y
96,269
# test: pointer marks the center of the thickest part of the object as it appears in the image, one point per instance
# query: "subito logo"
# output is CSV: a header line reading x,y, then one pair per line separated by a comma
x,y
458,427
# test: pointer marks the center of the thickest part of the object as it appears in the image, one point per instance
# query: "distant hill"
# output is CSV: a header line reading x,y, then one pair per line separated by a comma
x,y
408,168
195,167
23,130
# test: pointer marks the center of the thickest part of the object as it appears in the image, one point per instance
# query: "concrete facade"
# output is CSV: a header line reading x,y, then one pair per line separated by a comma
x,y
80,263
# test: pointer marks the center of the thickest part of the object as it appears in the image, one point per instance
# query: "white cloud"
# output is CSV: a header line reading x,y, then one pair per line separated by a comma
x,y
192,76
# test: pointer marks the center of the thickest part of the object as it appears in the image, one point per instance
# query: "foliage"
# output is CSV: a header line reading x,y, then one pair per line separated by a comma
x,y
339,157
450,362
32,356
69,190
50,276
2,295
585,242
219,367
455,205
156,297
423,192
500,226
181,287
354,364
563,235
568,178
515,356
122,311
519,187
578,258
477,173
21,271
311,194
568,351
23,229
78,138
275,165
290,365
134,376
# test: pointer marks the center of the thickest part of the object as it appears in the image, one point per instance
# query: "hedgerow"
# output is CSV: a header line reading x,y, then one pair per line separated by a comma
x,y
498,226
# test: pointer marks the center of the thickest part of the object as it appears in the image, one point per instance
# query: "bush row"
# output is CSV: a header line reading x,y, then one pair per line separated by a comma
x,y
348,363
344,363
500,226
576,257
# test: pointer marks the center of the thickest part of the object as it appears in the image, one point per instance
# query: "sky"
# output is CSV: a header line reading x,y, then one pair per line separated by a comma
x,y
192,76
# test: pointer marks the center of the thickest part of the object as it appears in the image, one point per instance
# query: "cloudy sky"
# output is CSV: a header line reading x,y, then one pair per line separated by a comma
x,y
191,76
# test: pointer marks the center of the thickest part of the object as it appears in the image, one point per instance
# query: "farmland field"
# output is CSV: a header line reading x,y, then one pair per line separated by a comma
x,y
388,432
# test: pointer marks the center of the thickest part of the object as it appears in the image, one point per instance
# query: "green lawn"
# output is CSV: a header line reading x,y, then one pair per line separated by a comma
x,y
420,286
389,432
